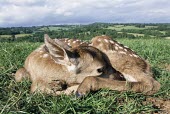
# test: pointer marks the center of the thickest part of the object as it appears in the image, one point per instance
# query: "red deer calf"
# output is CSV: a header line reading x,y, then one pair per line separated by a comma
x,y
135,70
54,65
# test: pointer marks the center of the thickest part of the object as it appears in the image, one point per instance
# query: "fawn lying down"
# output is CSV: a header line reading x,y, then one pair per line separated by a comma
x,y
136,71
55,65
60,66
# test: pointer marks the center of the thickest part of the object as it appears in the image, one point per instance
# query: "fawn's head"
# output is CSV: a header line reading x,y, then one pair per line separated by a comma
x,y
81,60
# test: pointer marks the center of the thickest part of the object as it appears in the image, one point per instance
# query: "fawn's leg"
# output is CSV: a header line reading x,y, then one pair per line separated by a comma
x,y
46,87
96,83
55,87
20,74
68,91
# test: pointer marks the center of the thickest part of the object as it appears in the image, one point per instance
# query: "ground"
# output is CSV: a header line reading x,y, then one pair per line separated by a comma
x,y
16,97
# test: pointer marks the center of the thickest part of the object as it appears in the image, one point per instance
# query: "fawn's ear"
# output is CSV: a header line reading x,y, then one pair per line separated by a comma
x,y
59,51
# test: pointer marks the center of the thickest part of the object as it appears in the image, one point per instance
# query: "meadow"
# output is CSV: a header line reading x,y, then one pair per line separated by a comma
x,y
120,27
54,28
16,36
15,97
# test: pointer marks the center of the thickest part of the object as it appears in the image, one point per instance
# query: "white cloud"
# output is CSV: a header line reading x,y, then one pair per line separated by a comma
x,y
42,12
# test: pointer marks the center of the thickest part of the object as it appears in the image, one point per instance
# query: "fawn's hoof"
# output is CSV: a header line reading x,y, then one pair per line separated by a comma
x,y
79,95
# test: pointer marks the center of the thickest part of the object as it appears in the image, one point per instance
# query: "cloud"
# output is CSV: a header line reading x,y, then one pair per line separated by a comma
x,y
45,12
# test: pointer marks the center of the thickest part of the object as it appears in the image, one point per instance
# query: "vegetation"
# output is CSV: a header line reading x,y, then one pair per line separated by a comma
x,y
85,32
15,97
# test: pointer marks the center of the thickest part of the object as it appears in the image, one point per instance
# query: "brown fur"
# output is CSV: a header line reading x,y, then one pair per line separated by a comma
x,y
135,70
52,66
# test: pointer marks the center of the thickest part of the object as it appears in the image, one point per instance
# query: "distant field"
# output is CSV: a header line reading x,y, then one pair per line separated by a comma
x,y
17,36
120,27
151,26
162,32
22,35
5,36
167,37
136,34
54,28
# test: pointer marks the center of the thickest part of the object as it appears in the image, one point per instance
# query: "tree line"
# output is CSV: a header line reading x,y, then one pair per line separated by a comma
x,y
84,32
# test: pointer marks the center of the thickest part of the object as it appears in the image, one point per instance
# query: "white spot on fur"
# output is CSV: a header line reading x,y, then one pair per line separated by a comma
x,y
129,78
74,41
71,67
117,44
131,55
99,40
135,55
122,52
45,55
41,51
120,47
69,44
106,40
116,48
125,49
112,42
112,51
91,44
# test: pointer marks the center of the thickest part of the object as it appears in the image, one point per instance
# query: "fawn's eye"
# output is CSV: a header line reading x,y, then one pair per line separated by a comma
x,y
100,70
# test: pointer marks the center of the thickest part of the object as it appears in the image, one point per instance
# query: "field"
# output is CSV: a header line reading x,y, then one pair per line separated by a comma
x,y
54,28
15,97
17,36
22,35
120,27
135,34
5,36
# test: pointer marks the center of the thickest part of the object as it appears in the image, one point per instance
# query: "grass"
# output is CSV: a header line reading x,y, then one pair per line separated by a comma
x,y
15,97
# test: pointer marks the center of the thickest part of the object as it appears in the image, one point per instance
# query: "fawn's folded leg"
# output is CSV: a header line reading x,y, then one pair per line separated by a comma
x,y
96,83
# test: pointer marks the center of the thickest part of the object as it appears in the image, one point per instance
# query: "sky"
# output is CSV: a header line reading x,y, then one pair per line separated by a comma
x,y
15,13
